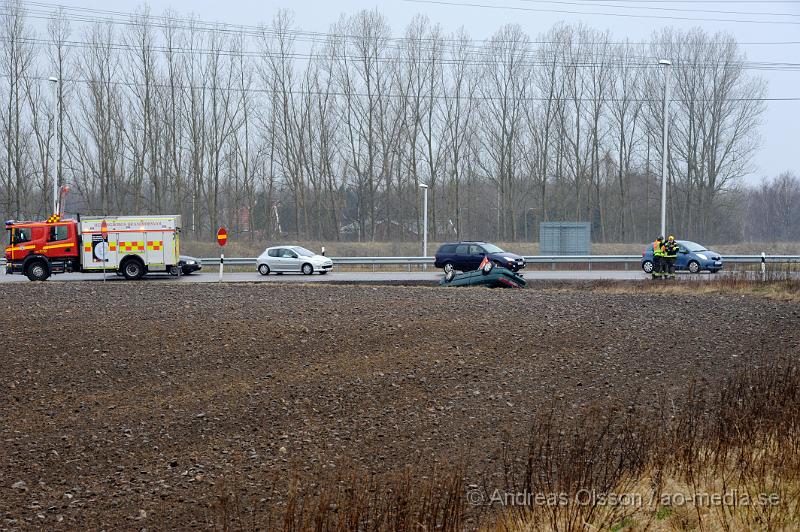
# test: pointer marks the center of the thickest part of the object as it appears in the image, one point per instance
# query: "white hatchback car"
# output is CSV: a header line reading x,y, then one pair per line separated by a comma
x,y
295,259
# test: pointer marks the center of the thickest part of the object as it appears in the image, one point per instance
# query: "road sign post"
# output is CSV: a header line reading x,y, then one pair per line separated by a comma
x,y
105,246
222,239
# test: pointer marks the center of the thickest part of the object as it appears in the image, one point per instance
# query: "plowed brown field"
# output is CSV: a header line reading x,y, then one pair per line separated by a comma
x,y
128,406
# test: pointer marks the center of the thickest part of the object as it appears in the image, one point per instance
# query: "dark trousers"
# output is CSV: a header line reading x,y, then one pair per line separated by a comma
x,y
670,265
658,266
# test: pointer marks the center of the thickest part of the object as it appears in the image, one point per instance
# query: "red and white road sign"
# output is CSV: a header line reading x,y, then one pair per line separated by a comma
x,y
104,230
222,236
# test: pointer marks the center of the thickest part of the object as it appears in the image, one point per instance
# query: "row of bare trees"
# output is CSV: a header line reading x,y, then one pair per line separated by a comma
x,y
272,130
772,212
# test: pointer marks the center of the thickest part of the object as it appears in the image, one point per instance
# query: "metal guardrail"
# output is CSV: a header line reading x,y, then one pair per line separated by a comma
x,y
531,259
336,260
419,261
589,260
752,259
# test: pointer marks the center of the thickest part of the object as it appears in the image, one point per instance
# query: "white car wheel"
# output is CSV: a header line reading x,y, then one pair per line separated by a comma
x,y
263,269
307,269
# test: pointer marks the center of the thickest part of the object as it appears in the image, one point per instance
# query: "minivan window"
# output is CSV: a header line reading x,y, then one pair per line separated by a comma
x,y
475,250
448,248
462,249
491,248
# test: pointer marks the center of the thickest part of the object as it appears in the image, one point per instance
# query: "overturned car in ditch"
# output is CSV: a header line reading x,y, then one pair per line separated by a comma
x,y
486,275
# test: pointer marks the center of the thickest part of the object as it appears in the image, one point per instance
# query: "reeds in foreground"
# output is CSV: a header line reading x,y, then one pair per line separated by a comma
x,y
720,460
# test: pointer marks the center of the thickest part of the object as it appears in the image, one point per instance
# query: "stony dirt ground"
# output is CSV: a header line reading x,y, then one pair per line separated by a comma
x,y
130,406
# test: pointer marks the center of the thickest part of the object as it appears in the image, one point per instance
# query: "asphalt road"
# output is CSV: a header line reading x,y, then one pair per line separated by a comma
x,y
351,277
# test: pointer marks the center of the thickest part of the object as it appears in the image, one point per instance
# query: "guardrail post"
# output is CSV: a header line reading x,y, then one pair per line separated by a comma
x,y
763,266
590,264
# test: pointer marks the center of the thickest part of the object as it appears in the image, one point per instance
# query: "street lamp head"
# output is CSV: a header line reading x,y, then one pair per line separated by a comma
x,y
665,62
423,185
53,79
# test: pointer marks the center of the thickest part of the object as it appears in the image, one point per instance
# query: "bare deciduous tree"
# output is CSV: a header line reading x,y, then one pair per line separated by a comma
x,y
278,131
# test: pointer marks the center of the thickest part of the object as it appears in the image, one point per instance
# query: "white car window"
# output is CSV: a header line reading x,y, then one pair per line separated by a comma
x,y
303,252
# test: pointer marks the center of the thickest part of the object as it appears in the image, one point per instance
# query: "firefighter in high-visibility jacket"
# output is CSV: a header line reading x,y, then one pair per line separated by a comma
x,y
659,258
670,256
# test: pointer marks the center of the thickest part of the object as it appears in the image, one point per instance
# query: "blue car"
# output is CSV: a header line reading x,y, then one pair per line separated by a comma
x,y
691,257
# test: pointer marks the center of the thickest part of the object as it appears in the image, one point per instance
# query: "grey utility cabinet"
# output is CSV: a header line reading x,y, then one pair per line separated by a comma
x,y
565,238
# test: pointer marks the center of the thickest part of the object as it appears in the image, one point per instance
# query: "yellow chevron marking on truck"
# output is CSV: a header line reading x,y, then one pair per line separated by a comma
x,y
133,247
20,248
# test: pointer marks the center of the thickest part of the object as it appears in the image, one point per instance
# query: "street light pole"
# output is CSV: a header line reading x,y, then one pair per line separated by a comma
x,y
667,63
424,188
54,81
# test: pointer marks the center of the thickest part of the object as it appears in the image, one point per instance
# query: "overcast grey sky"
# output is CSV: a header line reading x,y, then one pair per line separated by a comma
x,y
481,18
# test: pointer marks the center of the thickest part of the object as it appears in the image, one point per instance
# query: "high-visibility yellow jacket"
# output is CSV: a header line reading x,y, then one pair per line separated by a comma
x,y
658,249
670,249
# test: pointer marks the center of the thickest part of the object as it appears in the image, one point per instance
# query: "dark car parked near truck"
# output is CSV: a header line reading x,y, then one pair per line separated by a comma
x,y
467,256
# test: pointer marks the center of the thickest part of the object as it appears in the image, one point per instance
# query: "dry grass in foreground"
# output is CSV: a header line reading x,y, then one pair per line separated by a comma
x,y
729,462
781,283
726,460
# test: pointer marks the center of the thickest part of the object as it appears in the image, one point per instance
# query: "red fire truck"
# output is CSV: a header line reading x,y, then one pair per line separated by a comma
x,y
130,245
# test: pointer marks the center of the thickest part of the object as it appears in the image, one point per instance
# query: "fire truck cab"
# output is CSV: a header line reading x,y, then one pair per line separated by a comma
x,y
39,249
132,246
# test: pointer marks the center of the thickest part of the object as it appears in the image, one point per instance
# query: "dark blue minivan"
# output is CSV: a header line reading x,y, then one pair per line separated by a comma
x,y
467,256
691,256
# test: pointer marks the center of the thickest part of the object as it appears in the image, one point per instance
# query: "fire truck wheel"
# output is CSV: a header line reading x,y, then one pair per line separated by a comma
x,y
132,269
37,271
